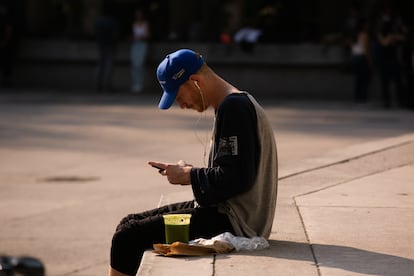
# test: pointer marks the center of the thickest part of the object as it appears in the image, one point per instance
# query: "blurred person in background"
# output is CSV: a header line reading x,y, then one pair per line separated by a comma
x,y
247,37
6,45
107,36
350,31
139,49
407,56
390,36
361,61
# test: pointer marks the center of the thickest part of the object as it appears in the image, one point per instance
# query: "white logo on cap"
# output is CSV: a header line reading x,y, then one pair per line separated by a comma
x,y
179,74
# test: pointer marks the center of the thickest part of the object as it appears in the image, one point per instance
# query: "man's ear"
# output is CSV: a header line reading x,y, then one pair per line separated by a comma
x,y
196,80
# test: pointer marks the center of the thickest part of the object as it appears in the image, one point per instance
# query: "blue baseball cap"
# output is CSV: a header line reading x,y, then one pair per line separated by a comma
x,y
173,71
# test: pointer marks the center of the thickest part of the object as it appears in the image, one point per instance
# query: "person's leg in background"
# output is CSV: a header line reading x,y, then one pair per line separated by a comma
x,y
138,55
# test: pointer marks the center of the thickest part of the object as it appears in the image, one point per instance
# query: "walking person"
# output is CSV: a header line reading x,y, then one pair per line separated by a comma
x,y
106,36
139,49
361,61
7,45
390,69
236,192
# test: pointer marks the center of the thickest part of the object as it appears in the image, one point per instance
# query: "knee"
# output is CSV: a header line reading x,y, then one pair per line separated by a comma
x,y
126,222
124,234
121,239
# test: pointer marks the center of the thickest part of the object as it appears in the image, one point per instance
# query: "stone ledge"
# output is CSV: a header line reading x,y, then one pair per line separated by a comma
x,y
215,53
293,252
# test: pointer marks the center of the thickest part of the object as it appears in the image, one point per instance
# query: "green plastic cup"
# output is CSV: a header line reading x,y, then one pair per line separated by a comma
x,y
177,228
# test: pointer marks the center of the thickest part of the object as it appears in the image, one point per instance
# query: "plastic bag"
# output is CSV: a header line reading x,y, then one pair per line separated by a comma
x,y
239,243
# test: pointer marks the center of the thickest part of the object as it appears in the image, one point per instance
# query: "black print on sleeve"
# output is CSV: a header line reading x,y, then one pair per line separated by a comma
x,y
227,146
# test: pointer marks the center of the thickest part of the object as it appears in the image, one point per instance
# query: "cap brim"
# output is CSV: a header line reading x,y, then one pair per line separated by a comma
x,y
167,100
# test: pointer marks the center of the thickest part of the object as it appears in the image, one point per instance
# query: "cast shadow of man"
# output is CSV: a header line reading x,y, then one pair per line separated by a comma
x,y
335,256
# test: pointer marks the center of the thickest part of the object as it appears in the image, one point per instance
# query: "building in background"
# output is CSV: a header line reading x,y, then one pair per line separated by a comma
x,y
283,21
300,40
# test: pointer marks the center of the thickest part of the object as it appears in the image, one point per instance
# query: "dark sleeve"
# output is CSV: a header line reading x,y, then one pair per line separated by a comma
x,y
234,156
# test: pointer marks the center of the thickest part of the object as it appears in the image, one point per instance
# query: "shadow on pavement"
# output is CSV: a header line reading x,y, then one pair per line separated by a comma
x,y
340,257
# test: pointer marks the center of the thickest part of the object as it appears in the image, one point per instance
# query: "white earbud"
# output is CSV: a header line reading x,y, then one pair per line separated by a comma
x,y
196,84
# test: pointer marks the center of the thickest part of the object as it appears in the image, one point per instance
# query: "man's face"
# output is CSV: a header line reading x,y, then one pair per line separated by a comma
x,y
189,96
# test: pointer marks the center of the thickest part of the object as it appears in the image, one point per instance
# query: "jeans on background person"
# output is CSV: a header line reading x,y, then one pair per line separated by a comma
x,y
138,54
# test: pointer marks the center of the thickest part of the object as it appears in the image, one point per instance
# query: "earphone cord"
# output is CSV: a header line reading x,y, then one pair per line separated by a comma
x,y
205,142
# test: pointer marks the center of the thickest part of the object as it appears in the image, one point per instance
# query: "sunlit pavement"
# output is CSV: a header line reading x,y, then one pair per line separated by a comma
x,y
71,166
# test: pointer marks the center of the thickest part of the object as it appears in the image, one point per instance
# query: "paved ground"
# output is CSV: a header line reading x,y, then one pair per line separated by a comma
x,y
72,165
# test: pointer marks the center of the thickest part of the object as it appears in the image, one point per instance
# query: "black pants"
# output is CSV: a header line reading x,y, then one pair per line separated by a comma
x,y
361,78
390,72
138,232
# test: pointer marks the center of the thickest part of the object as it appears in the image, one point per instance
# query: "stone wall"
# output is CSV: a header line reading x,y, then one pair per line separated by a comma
x,y
305,71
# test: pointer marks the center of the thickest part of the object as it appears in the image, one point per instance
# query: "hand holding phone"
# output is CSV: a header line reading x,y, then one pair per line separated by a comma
x,y
178,174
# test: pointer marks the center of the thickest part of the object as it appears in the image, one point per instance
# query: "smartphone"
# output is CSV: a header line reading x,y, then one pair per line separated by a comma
x,y
160,170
